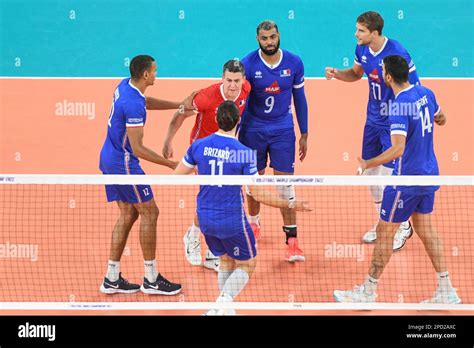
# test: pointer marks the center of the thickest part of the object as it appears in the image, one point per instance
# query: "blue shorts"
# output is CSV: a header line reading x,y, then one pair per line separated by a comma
x,y
234,239
126,193
375,141
398,206
278,144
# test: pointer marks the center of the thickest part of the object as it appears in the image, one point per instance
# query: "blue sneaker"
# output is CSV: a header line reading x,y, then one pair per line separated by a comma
x,y
161,286
121,286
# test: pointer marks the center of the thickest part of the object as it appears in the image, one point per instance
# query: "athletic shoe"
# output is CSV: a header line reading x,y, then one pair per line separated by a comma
x,y
256,230
223,298
356,295
447,297
161,286
212,262
192,248
404,232
371,235
293,252
120,286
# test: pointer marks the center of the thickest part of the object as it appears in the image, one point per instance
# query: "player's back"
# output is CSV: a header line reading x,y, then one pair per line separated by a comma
x,y
379,93
219,154
269,104
128,110
412,115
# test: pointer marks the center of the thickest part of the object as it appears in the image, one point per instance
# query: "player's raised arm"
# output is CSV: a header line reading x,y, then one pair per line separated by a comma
x,y
135,136
272,199
175,124
348,75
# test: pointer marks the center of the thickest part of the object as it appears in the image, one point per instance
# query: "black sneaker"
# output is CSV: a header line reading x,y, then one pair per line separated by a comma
x,y
121,286
161,286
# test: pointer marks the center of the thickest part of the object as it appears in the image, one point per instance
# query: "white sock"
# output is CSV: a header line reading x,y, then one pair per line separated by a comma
x,y
222,276
444,282
195,231
150,270
235,283
113,270
370,285
378,206
254,219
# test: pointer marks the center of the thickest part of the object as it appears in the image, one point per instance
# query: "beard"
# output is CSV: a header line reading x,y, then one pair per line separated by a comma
x,y
270,52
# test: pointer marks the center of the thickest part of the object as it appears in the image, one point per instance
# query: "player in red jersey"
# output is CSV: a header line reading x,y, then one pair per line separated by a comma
x,y
233,87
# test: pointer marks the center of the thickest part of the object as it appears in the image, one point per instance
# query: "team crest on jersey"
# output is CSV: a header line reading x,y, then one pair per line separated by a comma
x,y
374,75
242,103
258,74
285,73
274,88
380,62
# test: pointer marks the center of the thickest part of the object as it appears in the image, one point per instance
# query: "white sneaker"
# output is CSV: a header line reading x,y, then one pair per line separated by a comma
x,y
356,295
212,262
371,235
192,248
403,233
223,298
446,297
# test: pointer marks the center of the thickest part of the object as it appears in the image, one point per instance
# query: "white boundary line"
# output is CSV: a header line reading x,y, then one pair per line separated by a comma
x,y
305,180
181,78
262,306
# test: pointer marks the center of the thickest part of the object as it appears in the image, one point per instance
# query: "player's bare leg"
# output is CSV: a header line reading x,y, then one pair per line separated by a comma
x,y
381,256
113,282
434,246
232,278
153,282
254,212
293,252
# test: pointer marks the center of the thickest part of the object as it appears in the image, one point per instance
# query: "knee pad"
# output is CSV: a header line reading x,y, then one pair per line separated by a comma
x,y
287,192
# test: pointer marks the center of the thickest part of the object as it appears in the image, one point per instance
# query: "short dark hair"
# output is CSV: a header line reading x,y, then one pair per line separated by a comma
x,y
267,25
234,66
397,67
227,115
139,65
372,20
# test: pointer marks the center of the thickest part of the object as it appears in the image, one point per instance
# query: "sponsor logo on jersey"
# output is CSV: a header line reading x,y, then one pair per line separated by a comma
x,y
364,59
258,74
374,75
274,88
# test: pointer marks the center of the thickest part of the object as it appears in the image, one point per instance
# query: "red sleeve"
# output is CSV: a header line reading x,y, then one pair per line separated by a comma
x,y
201,100
247,87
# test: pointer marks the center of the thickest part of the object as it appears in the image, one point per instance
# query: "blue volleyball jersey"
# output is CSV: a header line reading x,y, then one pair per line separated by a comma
x,y
128,110
219,154
379,93
412,115
269,103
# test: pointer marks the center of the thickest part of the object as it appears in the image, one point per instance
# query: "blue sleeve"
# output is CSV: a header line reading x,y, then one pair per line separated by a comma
x,y
413,75
437,109
135,114
398,122
357,56
301,105
188,159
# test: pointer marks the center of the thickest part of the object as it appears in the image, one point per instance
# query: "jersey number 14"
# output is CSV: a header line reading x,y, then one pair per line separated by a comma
x,y
426,125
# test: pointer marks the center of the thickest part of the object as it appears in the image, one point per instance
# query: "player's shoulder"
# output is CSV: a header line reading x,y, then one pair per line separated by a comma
x,y
250,58
130,93
395,45
246,87
291,57
208,93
